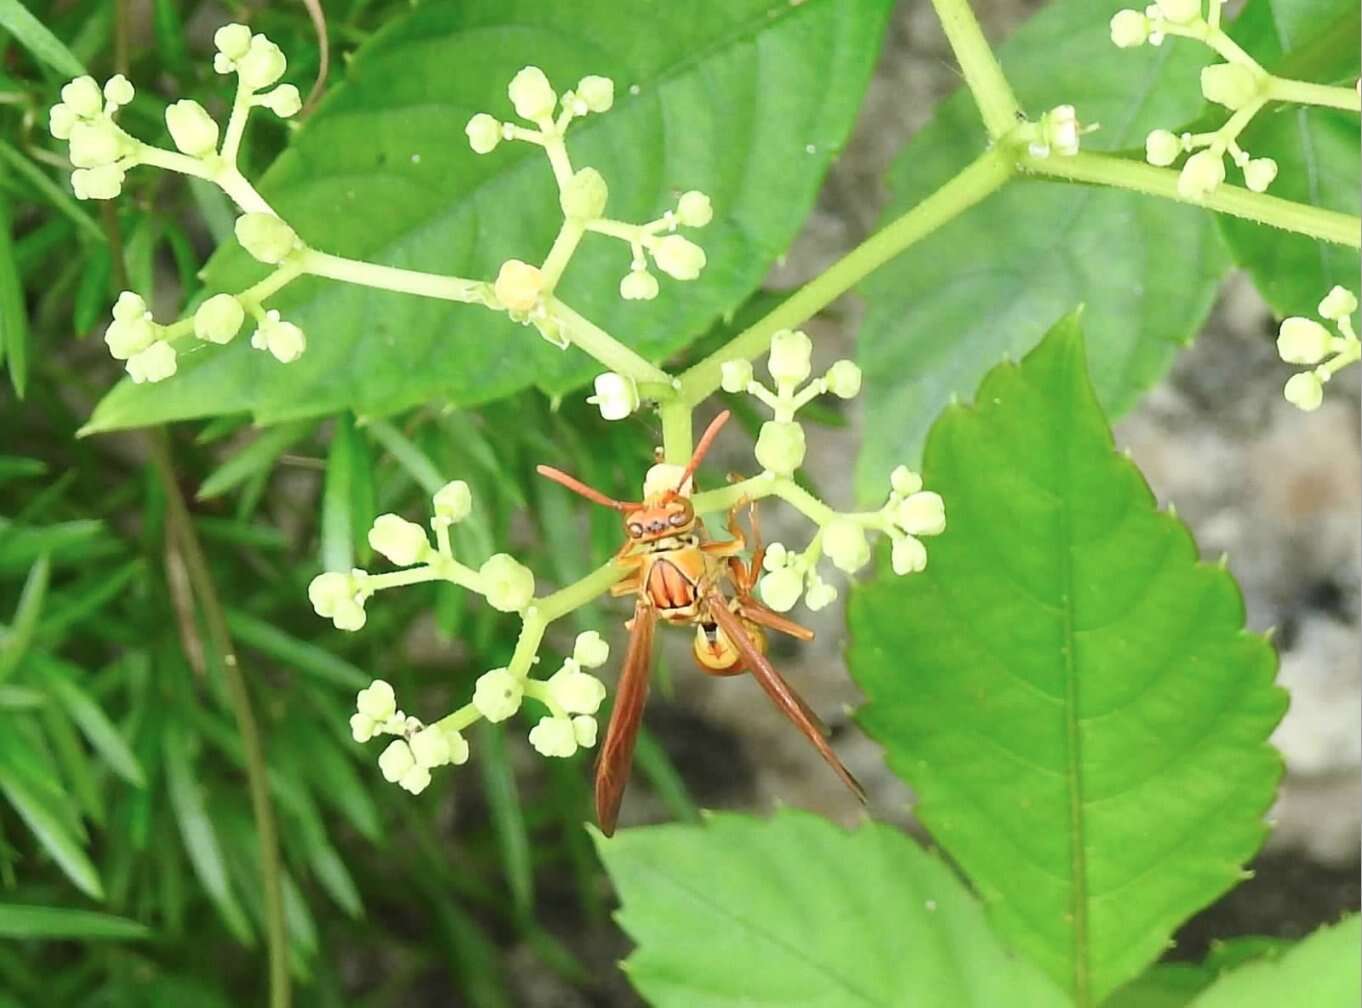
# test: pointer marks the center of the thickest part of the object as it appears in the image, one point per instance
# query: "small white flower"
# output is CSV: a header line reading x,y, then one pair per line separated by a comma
x,y
1303,341
1180,10
232,40
93,144
362,727
61,119
118,91
554,736
284,101
1129,28
777,556
453,501
597,92
1060,129
336,596
664,476
922,513
265,237
590,650
508,585
679,257
1304,391
1229,84
791,357
1162,148
262,64
844,379
102,183
531,94
129,306
518,285
126,337
399,766
1339,303
497,694
1260,173
904,481
415,780
377,700
780,447
584,730
694,209
735,375
484,133
219,319
282,339
781,589
83,97
845,544
1201,175
156,363
616,396
401,541
437,747
908,556
192,128
575,691
638,285
820,595
584,195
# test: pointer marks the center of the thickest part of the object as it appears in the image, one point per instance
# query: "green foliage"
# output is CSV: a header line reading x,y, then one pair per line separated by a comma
x,y
795,911
1322,971
1071,694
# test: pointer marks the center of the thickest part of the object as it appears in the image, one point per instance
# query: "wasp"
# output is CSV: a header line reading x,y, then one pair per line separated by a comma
x,y
678,575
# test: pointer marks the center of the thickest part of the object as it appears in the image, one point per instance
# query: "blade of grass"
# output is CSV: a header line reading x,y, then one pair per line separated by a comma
x,y
17,639
30,33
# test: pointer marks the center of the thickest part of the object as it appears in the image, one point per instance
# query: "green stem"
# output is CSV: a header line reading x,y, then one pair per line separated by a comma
x,y
983,75
982,177
605,348
569,237
236,124
1122,173
1305,93
677,436
579,593
404,281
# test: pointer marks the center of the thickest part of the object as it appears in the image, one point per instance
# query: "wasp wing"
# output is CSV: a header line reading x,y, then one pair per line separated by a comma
x,y
617,753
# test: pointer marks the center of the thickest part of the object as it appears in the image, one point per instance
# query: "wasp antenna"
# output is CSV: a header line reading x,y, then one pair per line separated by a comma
x,y
706,439
577,486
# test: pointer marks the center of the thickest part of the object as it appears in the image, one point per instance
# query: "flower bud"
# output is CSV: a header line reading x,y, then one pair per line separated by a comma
x,y
377,700
484,133
219,319
1060,130
415,780
282,339
82,96
845,544
679,257
584,730
396,760
576,691
1259,173
1303,341
616,396
638,285
362,727
1180,10
1229,84
590,650
584,195
1129,28
401,541
284,101
265,237
232,40
735,375
60,119
781,589
94,144
904,481
531,94
497,694
155,363
334,596
1201,175
693,209
1162,148
597,92
262,64
1339,303
104,182
126,337
789,360
777,556
453,501
118,91
508,585
820,595
1304,391
922,513
908,556
518,285
554,736
435,747
663,477
844,379
780,447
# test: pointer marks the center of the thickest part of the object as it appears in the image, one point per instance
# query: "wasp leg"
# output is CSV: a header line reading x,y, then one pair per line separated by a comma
x,y
750,609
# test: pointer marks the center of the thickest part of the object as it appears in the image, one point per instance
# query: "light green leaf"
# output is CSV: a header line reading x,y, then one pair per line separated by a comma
x,y
15,640
747,100
508,817
268,639
30,33
794,911
991,283
1322,971
13,312
19,921
1069,691
258,456
93,723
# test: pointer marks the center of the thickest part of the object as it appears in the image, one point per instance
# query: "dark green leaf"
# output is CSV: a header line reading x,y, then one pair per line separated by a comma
x,y
268,639
508,818
30,33
18,921
13,313
256,457
93,723
14,642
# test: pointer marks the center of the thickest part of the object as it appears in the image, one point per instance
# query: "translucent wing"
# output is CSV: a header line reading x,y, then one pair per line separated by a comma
x,y
617,753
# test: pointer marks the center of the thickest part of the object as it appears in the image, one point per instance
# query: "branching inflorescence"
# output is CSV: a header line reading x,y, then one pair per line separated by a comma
x,y
1305,341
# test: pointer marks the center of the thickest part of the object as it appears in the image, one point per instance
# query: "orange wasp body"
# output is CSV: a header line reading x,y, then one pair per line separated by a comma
x,y
675,573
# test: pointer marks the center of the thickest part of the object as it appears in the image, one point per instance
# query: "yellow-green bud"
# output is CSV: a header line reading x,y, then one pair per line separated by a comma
x,y
484,133
791,357
1229,84
735,375
497,694
454,501
126,337
844,379
1337,304
554,736
531,94
575,691
616,396
262,64
1180,10
265,237
845,544
284,101
219,319
232,40
1259,173
335,596
694,209
780,447
1129,28
94,144
284,340
908,556
118,91
508,585
1162,148
192,128
679,257
820,595
584,729
401,541
129,306
83,97
904,481
60,120
377,700
155,363
1304,391
590,650
1303,341
518,285
103,182
1201,175
584,195
597,92
922,513
638,285
781,589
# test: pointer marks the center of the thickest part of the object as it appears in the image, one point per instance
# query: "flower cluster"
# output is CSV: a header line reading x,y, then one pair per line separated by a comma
x,y
100,152
1305,341
418,749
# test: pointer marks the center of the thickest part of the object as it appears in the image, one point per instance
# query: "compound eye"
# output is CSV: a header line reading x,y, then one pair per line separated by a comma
x,y
678,518
635,529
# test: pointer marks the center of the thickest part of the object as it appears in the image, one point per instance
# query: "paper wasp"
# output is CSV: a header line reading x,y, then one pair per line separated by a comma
x,y
677,575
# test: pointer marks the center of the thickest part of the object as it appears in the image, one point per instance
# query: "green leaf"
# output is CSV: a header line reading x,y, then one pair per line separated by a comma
x,y
746,100
1069,691
29,32
258,456
13,313
1322,971
794,911
989,284
268,639
19,921
103,736
15,640
1315,150
508,818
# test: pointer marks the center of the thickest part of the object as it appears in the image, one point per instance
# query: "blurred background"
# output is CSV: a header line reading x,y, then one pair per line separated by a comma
x,y
486,891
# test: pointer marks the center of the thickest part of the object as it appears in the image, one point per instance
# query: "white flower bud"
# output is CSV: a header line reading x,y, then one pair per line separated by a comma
x,y
484,133
362,727
129,306
904,481
844,379
693,209
222,64
662,477
497,694
575,691
1129,28
415,780
777,556
1229,84
590,650
922,513
396,760
262,65
1304,391
1162,148
126,337
430,748
908,556
638,285
232,40
1303,341
616,396
453,501
845,544
780,447
60,119
584,730
508,585
218,319
1060,130
554,736
735,375
597,92
790,359
377,700
1180,10
531,94
679,257
327,591
118,91
401,541
348,615
282,339
82,96
94,144
781,589
265,237
1339,303
155,363
284,101
820,595
518,285
102,183
1259,173
1201,175
584,195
